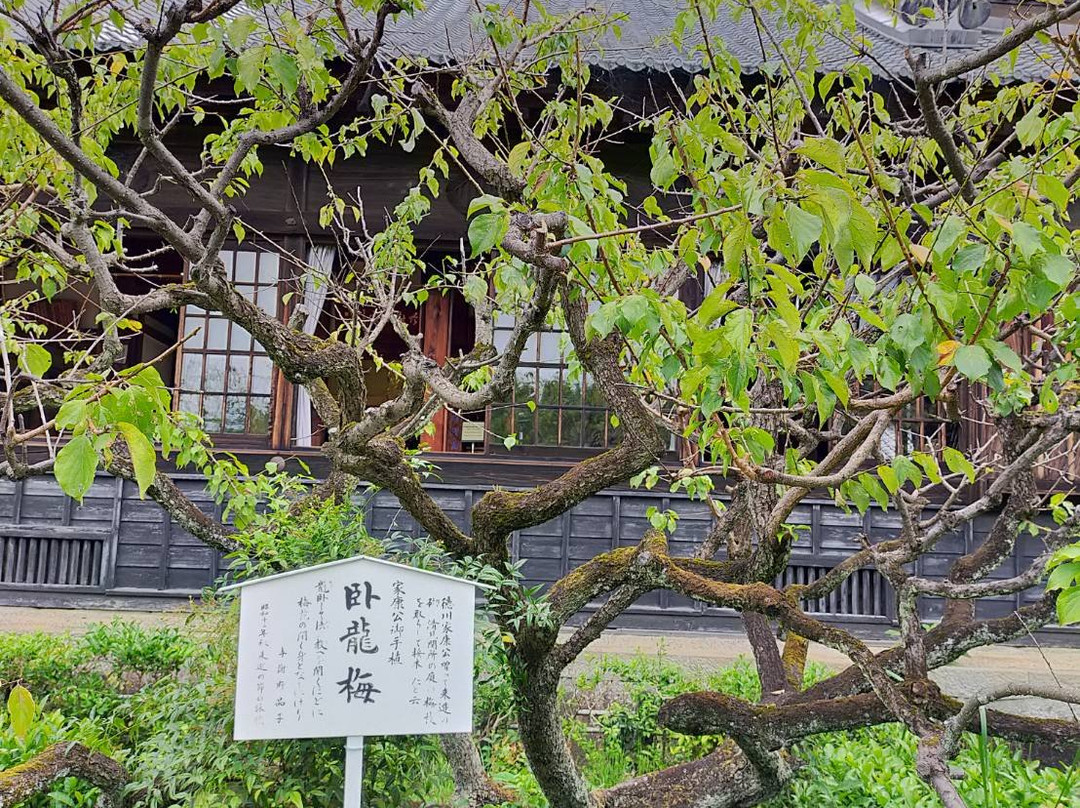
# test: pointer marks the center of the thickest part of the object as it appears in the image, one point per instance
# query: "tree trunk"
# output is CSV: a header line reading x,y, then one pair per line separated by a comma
x,y
770,665
545,745
472,786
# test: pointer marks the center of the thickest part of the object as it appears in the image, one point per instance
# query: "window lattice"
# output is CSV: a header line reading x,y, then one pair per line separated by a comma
x,y
550,406
225,375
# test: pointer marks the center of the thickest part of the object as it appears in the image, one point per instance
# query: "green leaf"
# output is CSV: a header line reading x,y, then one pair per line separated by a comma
x,y
475,290
969,259
779,234
238,31
958,464
786,345
1028,239
864,233
715,305
972,361
929,464
1068,607
738,329
805,229
71,414
948,236
875,490
284,68
482,202
143,458
517,156
739,236
862,362
21,709
825,151
34,359
888,476
1064,576
1048,399
1053,189
1030,126
907,332
866,287
1003,354
906,470
485,231
637,316
1058,269
837,384
664,170
76,463
249,68
857,494
602,321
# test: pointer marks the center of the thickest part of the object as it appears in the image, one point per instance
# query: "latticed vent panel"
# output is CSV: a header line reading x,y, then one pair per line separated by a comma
x,y
863,594
55,561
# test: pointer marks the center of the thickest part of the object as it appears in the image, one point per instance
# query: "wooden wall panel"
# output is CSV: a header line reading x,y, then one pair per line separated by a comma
x,y
143,554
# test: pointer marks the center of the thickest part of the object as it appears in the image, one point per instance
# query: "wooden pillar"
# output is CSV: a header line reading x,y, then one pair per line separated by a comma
x,y
436,330
282,391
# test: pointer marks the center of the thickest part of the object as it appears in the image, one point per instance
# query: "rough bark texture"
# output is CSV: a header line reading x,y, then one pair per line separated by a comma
x,y
777,726
545,745
723,779
944,644
472,786
61,760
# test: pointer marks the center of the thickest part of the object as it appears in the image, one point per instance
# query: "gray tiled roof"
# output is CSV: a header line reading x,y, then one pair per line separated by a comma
x,y
445,31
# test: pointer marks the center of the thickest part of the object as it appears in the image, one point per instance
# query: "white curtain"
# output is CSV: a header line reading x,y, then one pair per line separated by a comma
x,y
320,264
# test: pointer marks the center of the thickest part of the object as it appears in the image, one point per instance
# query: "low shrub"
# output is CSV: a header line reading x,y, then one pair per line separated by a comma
x,y
286,539
174,733
48,727
875,767
90,676
132,648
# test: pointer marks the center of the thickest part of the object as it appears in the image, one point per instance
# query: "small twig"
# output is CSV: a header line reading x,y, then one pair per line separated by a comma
x,y
645,227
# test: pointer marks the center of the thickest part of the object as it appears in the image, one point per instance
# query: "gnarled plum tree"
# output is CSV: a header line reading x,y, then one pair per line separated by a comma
x,y
861,244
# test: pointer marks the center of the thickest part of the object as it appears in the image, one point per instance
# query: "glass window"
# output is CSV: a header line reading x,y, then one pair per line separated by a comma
x,y
225,376
923,426
549,406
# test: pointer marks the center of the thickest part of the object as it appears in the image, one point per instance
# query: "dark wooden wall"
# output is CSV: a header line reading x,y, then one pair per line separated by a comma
x,y
287,197
116,550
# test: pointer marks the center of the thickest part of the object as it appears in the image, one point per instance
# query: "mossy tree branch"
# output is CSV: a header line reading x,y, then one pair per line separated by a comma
x,y
61,760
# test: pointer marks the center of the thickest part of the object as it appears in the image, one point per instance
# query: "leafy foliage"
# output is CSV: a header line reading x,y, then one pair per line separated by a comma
x,y
851,266
281,537
176,739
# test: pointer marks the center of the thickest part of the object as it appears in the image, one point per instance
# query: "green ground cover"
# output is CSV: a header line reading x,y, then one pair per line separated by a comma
x,y
160,701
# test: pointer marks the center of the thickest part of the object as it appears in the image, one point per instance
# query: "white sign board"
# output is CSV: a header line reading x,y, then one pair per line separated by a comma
x,y
353,648
356,647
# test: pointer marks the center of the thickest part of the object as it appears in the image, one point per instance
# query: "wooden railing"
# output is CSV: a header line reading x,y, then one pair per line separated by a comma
x,y
53,555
